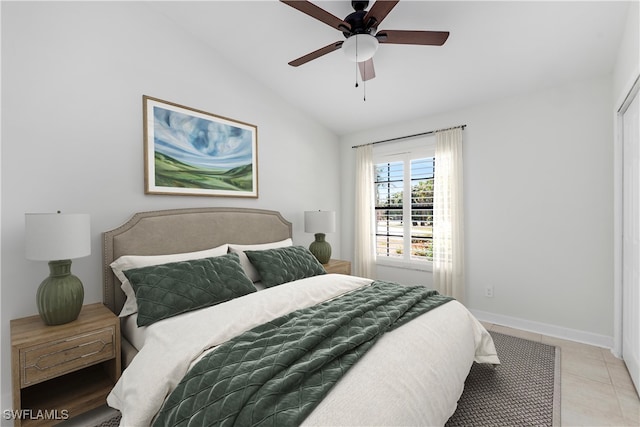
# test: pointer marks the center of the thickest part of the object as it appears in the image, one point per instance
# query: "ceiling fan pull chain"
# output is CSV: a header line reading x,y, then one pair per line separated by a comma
x,y
364,89
356,62
364,82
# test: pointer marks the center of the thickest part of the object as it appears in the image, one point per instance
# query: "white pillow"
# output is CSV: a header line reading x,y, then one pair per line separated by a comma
x,y
249,269
127,262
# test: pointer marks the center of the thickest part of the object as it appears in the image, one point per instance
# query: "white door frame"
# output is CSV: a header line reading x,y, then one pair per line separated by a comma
x,y
629,95
632,89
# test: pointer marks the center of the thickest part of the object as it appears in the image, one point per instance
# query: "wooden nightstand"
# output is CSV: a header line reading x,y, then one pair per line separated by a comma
x,y
338,266
62,371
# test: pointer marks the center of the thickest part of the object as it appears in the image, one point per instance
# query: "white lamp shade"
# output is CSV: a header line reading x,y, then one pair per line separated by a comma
x,y
319,221
57,236
360,47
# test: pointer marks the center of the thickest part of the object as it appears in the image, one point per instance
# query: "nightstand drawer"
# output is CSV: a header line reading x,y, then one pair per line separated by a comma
x,y
338,266
51,359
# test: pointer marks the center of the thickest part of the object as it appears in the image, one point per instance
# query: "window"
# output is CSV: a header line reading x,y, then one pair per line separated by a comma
x,y
404,205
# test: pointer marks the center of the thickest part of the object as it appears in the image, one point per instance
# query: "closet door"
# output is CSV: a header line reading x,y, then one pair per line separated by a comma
x,y
631,240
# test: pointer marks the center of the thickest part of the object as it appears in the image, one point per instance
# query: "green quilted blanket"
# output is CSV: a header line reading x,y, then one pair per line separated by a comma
x,y
276,373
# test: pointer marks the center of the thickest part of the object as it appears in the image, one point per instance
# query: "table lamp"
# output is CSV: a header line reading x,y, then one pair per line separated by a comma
x,y
57,237
320,222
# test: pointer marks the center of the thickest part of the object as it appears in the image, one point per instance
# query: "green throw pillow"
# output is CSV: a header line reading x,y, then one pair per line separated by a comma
x,y
165,290
282,265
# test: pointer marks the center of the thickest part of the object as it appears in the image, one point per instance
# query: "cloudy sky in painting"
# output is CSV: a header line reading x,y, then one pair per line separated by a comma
x,y
200,142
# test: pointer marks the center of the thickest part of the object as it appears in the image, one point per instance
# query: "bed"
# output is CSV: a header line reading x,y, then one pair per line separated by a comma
x,y
410,371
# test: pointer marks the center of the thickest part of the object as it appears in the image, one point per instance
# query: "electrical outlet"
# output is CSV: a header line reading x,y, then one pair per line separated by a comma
x,y
488,292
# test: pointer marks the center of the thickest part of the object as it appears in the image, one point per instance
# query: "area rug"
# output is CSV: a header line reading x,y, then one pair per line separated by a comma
x,y
112,422
524,390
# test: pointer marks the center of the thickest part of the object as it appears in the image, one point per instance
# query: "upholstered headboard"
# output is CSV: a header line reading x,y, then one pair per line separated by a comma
x,y
185,230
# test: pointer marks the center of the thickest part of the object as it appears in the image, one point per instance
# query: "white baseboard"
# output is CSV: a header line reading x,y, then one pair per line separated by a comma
x,y
545,329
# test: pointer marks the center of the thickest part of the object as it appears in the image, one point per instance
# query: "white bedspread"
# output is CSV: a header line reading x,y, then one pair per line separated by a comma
x,y
438,347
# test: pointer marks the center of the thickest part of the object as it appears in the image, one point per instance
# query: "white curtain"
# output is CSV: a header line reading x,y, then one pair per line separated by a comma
x,y
364,259
448,233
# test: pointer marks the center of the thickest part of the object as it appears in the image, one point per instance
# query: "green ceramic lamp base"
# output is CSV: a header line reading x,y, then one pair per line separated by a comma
x,y
321,249
60,296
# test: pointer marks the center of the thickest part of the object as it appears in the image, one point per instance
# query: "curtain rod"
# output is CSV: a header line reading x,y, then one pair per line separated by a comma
x,y
410,136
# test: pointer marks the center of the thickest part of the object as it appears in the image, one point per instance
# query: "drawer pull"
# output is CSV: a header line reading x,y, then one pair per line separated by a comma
x,y
66,361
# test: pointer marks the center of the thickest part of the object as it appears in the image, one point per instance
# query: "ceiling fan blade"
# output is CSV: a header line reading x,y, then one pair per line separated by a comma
x,y
316,54
319,14
367,71
432,38
378,12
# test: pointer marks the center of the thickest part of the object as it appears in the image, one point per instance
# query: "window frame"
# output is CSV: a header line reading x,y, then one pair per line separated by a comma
x,y
405,151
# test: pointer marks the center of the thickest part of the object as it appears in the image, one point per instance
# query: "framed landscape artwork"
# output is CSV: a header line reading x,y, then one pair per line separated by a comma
x,y
192,152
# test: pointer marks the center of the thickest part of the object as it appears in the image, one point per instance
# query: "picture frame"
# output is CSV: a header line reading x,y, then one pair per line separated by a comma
x,y
190,152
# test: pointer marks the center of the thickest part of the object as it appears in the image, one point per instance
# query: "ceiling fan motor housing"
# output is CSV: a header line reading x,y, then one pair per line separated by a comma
x,y
359,5
358,26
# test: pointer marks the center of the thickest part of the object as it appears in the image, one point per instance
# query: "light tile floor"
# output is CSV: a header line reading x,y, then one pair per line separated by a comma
x,y
596,389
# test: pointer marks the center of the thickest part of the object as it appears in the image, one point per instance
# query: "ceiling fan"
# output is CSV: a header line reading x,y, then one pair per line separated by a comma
x,y
361,31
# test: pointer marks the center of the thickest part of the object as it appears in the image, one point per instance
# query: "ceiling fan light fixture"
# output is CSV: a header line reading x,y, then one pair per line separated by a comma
x,y
360,47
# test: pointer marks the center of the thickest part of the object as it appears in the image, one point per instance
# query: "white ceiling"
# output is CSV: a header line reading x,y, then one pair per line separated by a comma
x,y
495,49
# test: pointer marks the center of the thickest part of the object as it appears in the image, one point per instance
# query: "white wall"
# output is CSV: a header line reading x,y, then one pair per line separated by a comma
x,y
538,206
627,66
73,76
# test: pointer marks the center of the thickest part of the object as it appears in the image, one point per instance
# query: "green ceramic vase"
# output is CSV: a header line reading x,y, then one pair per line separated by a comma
x,y
321,249
60,296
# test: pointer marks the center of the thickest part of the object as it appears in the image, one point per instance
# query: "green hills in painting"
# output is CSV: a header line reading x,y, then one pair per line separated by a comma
x,y
173,173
